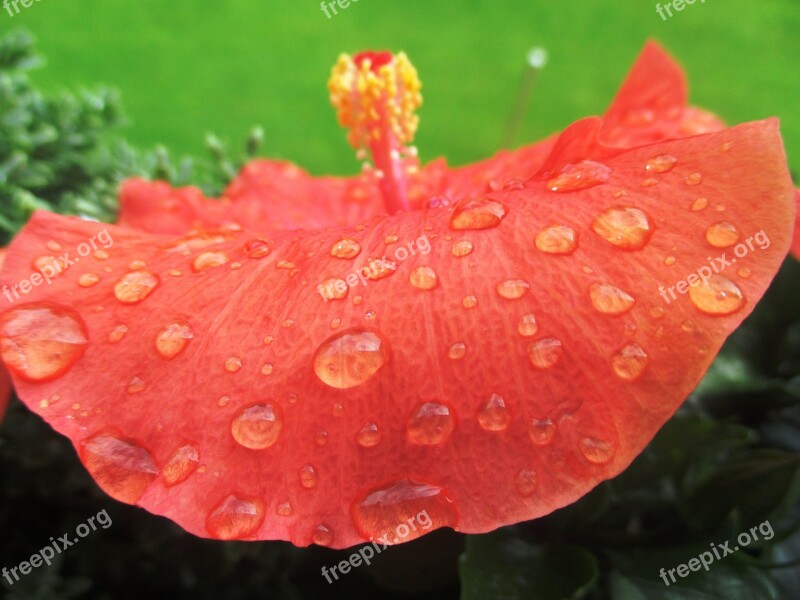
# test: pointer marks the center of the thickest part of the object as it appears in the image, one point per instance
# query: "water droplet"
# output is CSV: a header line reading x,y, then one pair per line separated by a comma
x,y
88,279
610,300
136,265
462,248
526,482
477,213
53,246
182,463
699,204
235,518
557,239
101,255
267,369
335,323
338,409
136,385
656,312
688,326
345,249
322,535
493,414
545,353
350,358
121,466
626,227
512,289
597,451
287,323
716,296
321,438
172,339
527,326
744,273
40,343
233,364
541,431
209,260
693,179
389,513
390,239
470,302
368,436
430,423
117,333
223,401
457,351
630,362
135,286
669,261
661,163
257,248
649,182
258,426
580,176
308,477
424,278
284,509
722,234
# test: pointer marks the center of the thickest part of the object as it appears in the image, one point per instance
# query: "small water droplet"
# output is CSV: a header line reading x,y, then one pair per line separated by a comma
x,y
656,312
545,353
699,204
136,385
223,401
526,482
257,427
669,260
512,289
462,248
233,364
693,179
235,518
368,436
542,431
346,249
597,451
172,339
322,535
630,362
623,226
609,299
493,415
321,438
350,358
101,255
117,333
424,278
284,509
722,234
308,477
514,184
267,369
649,182
477,213
457,351
580,176
744,273
470,302
661,163
136,265
257,248
287,323
390,239
557,239
209,260
88,279
335,323
385,513
119,465
430,423
135,286
527,326
40,343
180,465
716,296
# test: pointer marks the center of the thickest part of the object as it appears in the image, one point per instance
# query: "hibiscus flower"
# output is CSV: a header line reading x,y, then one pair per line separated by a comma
x,y
322,360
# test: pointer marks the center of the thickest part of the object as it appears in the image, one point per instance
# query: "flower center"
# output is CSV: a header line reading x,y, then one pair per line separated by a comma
x,y
375,95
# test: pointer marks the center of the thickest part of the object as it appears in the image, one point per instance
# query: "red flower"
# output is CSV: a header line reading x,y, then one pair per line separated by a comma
x,y
289,362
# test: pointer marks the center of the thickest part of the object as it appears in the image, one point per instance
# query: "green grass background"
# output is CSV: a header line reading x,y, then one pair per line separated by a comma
x,y
186,67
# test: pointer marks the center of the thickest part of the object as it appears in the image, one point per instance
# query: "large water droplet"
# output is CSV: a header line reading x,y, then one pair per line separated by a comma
x,y
626,227
258,426
610,300
235,518
545,353
630,362
121,466
580,176
716,296
182,463
431,423
350,358
424,278
722,234
477,213
368,436
512,289
135,286
661,163
172,339
597,451
345,249
39,343
557,239
391,513
493,415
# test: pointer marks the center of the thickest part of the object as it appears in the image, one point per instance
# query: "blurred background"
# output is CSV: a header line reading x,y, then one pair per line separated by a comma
x,y
730,459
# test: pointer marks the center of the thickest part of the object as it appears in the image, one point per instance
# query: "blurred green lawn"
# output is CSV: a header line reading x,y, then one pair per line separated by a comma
x,y
186,67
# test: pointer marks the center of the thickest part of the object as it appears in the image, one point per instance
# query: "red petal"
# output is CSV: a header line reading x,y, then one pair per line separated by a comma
x,y
484,381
